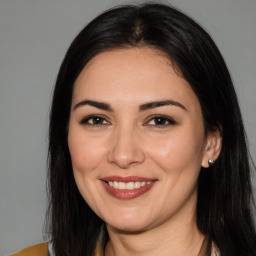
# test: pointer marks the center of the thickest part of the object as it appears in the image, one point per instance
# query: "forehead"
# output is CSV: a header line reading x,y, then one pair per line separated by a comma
x,y
134,74
121,63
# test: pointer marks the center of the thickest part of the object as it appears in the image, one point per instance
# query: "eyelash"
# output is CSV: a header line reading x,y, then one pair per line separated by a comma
x,y
163,119
100,120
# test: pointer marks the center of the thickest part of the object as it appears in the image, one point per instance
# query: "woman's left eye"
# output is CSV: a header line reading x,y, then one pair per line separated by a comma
x,y
160,121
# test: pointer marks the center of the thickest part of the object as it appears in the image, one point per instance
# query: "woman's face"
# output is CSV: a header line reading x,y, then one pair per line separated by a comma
x,y
136,139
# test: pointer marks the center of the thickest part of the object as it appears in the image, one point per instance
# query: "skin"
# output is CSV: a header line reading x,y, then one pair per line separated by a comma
x,y
128,141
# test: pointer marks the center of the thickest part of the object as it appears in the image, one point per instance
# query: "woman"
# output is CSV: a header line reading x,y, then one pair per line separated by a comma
x,y
147,150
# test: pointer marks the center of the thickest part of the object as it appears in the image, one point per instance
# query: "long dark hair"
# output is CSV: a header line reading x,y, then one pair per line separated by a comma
x,y
224,190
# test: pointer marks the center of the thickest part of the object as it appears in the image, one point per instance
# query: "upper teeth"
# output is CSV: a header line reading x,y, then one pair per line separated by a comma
x,y
129,185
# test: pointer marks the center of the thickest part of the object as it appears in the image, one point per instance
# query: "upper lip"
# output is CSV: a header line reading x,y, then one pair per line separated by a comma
x,y
126,179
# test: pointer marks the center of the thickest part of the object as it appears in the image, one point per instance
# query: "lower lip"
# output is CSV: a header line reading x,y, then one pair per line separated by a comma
x,y
127,194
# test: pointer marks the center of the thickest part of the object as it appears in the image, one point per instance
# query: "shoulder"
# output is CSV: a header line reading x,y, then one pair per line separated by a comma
x,y
35,250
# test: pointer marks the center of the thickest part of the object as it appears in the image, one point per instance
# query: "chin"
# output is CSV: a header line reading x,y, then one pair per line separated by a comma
x,y
129,224
127,228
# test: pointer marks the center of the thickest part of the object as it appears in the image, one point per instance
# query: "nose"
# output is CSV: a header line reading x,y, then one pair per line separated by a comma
x,y
126,149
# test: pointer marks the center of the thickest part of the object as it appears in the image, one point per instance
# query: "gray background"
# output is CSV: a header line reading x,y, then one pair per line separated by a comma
x,y
34,35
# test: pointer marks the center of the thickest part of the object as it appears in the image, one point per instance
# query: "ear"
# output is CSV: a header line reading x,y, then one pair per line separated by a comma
x,y
212,147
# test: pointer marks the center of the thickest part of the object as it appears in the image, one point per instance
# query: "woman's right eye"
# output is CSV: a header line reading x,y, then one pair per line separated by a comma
x,y
94,121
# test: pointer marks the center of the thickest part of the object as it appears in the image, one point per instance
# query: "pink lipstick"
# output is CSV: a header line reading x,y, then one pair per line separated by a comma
x,y
127,187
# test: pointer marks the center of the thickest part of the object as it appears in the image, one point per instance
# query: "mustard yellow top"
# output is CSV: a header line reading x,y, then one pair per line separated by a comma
x,y
42,250
35,250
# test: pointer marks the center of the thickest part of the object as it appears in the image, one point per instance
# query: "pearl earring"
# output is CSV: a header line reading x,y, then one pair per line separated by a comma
x,y
210,162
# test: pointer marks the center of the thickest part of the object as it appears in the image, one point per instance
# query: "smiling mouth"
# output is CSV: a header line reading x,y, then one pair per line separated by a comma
x,y
129,185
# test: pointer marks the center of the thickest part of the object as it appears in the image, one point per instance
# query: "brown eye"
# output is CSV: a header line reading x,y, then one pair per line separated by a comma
x,y
161,121
94,120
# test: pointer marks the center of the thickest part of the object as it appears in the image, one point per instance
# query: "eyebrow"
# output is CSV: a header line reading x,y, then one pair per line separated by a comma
x,y
143,107
161,103
96,104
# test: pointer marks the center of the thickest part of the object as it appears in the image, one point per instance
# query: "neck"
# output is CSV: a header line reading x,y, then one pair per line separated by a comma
x,y
172,238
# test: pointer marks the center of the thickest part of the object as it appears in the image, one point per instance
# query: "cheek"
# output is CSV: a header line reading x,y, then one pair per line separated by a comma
x,y
178,150
86,152
86,155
